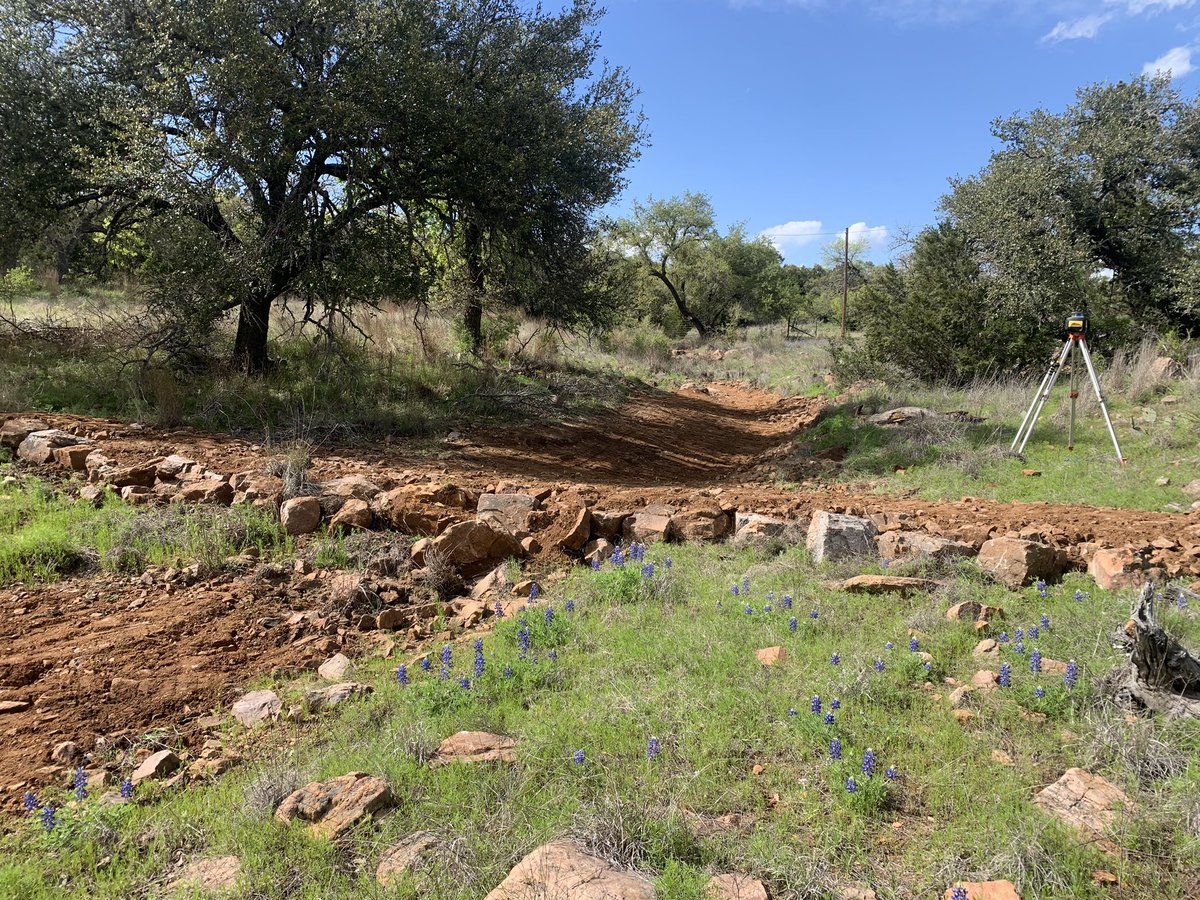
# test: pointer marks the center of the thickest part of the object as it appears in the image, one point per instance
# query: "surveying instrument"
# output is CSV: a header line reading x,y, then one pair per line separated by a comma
x,y
1074,347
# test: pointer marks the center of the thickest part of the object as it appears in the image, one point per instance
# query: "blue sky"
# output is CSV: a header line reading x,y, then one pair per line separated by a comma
x,y
803,117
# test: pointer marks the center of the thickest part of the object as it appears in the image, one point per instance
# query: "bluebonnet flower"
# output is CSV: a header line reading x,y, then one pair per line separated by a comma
x,y
29,802
813,614
616,558
770,596
886,563
913,645
868,764
446,655
787,601
959,893
126,788
816,703
1035,661
891,774
928,667
464,683
793,624
851,785
1045,621
523,642
1003,638
733,589
553,655
1033,632
508,671
828,718
479,660
835,749
1071,675
1041,588
653,748
767,607
1019,648
648,570
835,703
48,820
534,590
549,616
1005,675
596,564
667,562
499,610
791,712
835,660
748,610
1181,601
579,756
1019,635
570,606
1080,596
402,673
444,674
426,665
746,584
1039,692
879,667
889,646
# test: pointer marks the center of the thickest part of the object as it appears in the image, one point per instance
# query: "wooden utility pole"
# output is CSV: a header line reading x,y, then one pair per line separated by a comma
x,y
845,281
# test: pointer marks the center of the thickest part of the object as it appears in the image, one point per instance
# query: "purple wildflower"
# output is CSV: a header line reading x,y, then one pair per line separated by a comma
x,y
828,718
748,610
835,703
835,749
426,665
879,667
1005,675
891,774
793,624
508,671
48,820
523,641
1041,588
745,584
648,570
733,589
446,656
653,748
464,683
1071,676
570,606
1039,692
534,590
1019,635
959,893
1035,661
579,756
29,802
499,610
1080,596
851,785
1033,632
1045,621
814,614
402,673
913,645
868,763
1003,638
480,663
127,789
787,601
596,564
816,703
889,646
835,660
549,616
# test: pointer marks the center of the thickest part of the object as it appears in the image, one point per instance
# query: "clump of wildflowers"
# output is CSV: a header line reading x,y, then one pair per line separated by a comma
x,y
48,819
787,601
29,802
868,763
1035,661
617,558
653,748
126,788
913,645
835,749
816,703
1041,588
851,785
1005,675
1071,676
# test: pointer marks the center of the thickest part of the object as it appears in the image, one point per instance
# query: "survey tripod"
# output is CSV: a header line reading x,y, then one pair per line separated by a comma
x,y
1075,347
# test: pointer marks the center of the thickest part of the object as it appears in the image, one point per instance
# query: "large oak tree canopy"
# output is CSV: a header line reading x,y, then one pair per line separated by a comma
x,y
321,148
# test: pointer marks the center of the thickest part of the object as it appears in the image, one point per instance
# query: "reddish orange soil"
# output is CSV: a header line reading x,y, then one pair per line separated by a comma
x,y
108,654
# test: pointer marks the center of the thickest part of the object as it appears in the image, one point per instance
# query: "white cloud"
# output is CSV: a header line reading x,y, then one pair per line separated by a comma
x,y
875,235
1076,29
1137,7
1176,63
792,235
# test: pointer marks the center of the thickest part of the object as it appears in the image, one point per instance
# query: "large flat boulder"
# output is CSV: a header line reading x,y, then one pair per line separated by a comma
x,y
833,537
506,512
255,707
331,808
14,431
919,545
1085,802
561,871
404,856
735,886
886,584
403,511
38,446
1115,570
473,548
1016,562
475,747
702,520
650,525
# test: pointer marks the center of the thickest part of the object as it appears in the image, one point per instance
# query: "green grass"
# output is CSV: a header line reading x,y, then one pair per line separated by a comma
x,y
944,459
673,657
45,534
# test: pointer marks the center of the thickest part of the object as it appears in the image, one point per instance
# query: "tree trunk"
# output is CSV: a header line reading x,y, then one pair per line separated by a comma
x,y
1161,675
250,345
701,328
473,315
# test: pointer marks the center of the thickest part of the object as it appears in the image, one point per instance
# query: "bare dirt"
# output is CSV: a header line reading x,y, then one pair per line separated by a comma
x,y
109,655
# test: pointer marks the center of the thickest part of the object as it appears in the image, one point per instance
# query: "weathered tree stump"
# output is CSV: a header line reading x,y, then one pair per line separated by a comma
x,y
1160,674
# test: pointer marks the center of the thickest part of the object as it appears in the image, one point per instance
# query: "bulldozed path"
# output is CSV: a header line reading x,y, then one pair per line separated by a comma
x,y
90,657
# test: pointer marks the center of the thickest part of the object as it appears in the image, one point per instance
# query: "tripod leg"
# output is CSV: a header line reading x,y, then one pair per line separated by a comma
x,y
1087,358
1045,395
1054,364
1074,396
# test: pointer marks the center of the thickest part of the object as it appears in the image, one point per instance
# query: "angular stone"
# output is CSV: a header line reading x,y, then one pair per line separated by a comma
x,y
506,512
648,527
771,656
562,871
1115,570
211,876
173,466
400,510
752,529
886,584
300,515
600,549
355,515
13,706
206,490
351,487
856,892
158,765
38,446
335,806
133,476
833,537
336,694
404,856
475,747
473,548
967,611
985,890
334,668
255,707
14,431
609,524
73,458
703,520
1015,562
1085,802
986,649
578,529
918,545
65,753
734,886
